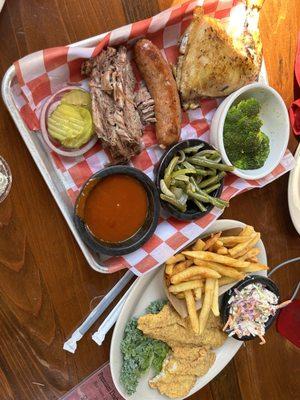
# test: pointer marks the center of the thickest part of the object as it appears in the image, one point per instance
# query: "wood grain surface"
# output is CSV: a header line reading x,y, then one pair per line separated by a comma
x,y
46,286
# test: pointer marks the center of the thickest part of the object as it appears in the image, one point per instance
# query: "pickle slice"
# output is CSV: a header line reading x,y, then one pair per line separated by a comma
x,y
71,125
77,97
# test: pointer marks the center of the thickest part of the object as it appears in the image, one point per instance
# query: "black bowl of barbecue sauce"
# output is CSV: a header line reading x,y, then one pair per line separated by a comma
x,y
117,210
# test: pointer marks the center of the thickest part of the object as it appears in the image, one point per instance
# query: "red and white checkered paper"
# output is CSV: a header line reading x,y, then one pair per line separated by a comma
x,y
42,73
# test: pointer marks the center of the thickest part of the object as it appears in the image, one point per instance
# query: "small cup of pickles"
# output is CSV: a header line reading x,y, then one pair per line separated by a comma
x,y
190,179
66,122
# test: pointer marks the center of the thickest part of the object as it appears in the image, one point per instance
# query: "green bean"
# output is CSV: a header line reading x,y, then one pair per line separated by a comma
x,y
183,178
204,153
215,158
202,172
193,149
205,172
199,205
169,170
182,156
176,191
180,194
203,162
205,198
190,187
183,199
197,196
183,172
187,165
194,183
178,183
164,188
212,180
174,202
214,200
212,188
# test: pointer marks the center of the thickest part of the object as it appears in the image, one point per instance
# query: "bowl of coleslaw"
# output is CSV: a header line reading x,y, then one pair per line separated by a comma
x,y
250,307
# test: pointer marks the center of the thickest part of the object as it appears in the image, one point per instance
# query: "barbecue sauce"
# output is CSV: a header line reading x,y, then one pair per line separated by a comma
x,y
116,208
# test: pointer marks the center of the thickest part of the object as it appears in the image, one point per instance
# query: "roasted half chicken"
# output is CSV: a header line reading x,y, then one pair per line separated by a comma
x,y
217,59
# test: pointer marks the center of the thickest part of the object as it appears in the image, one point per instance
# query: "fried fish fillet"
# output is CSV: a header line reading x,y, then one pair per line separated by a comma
x,y
180,370
169,327
216,59
172,385
186,360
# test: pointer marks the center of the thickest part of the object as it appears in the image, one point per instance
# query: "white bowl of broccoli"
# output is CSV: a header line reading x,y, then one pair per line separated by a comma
x,y
251,130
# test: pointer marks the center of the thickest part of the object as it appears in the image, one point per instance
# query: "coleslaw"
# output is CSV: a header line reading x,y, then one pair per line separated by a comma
x,y
250,309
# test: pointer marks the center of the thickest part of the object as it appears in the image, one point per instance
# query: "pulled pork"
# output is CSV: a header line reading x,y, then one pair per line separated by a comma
x,y
117,118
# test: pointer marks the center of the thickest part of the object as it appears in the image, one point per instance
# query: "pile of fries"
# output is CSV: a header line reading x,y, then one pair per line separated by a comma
x,y
199,272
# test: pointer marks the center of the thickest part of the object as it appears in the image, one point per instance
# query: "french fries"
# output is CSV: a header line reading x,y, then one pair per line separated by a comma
x,y
181,266
241,248
221,269
231,241
191,306
175,259
209,256
198,293
182,287
246,231
215,300
199,272
226,280
212,240
222,250
192,271
218,245
199,245
251,253
169,269
254,267
207,303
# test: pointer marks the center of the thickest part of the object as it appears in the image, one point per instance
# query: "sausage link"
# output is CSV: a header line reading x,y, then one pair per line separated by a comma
x,y
161,84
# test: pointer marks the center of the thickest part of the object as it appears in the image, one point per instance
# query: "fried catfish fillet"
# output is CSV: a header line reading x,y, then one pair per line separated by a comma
x,y
217,59
180,370
169,327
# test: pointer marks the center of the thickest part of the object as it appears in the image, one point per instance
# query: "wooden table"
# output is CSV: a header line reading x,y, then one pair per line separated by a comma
x,y
46,286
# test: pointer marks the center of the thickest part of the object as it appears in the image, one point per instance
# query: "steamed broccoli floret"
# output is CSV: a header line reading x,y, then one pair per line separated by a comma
x,y
246,146
249,107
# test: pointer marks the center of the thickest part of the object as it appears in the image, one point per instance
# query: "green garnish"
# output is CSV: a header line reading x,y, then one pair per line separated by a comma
x,y
247,147
140,352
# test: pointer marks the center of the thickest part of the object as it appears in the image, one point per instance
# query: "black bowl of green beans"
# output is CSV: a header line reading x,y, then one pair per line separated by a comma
x,y
190,179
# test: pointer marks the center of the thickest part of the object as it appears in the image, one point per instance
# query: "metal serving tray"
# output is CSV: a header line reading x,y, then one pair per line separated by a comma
x,y
43,161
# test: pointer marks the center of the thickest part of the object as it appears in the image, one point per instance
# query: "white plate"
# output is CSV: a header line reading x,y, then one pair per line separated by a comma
x,y
294,192
149,288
